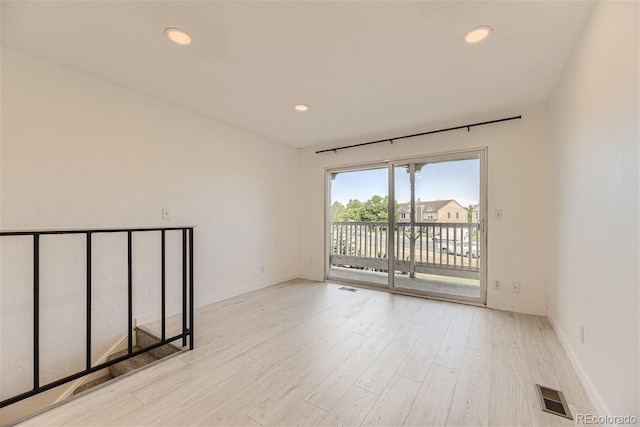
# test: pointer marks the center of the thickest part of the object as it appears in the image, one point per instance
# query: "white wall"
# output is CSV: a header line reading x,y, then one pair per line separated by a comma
x,y
594,127
517,183
82,152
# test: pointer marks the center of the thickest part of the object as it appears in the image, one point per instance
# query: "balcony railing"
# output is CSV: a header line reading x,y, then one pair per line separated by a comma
x,y
187,300
447,249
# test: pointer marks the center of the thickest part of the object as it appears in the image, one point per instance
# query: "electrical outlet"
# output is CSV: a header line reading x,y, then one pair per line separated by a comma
x,y
262,269
165,214
497,284
582,334
515,287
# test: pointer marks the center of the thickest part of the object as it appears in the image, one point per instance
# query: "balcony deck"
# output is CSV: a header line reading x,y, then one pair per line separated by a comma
x,y
451,286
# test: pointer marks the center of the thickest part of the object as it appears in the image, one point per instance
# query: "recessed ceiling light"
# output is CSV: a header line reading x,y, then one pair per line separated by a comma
x,y
477,34
178,36
301,107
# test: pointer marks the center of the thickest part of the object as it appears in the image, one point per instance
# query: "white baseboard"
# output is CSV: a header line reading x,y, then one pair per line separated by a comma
x,y
146,319
311,279
595,397
200,302
525,309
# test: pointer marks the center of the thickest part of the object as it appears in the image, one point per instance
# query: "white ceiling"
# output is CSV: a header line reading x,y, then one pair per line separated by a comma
x,y
367,69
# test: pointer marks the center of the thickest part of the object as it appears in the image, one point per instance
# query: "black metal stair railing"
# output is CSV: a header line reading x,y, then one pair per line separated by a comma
x,y
187,301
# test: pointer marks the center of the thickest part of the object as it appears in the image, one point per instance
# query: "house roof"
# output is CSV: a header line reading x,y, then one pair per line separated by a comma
x,y
434,205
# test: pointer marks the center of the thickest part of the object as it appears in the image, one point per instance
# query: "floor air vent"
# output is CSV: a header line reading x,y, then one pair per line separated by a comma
x,y
347,289
553,402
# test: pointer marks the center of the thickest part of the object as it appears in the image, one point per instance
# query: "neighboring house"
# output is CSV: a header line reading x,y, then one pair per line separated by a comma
x,y
433,211
476,213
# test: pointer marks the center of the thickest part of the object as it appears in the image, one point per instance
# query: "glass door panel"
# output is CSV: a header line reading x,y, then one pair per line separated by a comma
x,y
357,226
437,235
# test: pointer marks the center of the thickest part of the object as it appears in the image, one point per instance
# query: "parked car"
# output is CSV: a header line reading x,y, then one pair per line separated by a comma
x,y
445,246
457,247
462,249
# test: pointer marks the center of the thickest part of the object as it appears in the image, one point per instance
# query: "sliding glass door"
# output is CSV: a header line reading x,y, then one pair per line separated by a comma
x,y
424,217
438,229
358,225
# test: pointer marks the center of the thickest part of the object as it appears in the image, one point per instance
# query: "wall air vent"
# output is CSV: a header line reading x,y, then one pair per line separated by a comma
x,y
553,402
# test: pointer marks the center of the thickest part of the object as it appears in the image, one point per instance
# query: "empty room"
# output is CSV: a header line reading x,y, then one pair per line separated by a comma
x,y
315,213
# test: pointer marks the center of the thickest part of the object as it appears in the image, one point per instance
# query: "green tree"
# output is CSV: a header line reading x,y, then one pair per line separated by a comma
x,y
353,211
470,213
337,210
374,209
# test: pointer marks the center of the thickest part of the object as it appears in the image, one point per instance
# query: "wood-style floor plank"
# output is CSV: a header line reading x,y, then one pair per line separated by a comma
x,y
441,320
360,320
306,353
431,406
508,399
382,369
420,357
301,414
451,350
470,402
527,327
394,404
246,422
328,393
288,395
398,322
426,313
481,333
189,402
255,391
194,376
504,330
352,409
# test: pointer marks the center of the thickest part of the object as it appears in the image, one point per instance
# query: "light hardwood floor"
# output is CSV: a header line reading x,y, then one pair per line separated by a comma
x,y
307,353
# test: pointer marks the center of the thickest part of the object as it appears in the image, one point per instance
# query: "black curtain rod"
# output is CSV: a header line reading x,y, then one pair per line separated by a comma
x,y
468,127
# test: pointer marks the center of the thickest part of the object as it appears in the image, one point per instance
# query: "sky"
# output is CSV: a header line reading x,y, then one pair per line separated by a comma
x,y
458,180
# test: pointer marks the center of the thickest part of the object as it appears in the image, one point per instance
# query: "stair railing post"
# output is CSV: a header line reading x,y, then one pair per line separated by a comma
x,y
129,292
184,287
36,311
164,282
88,326
191,307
